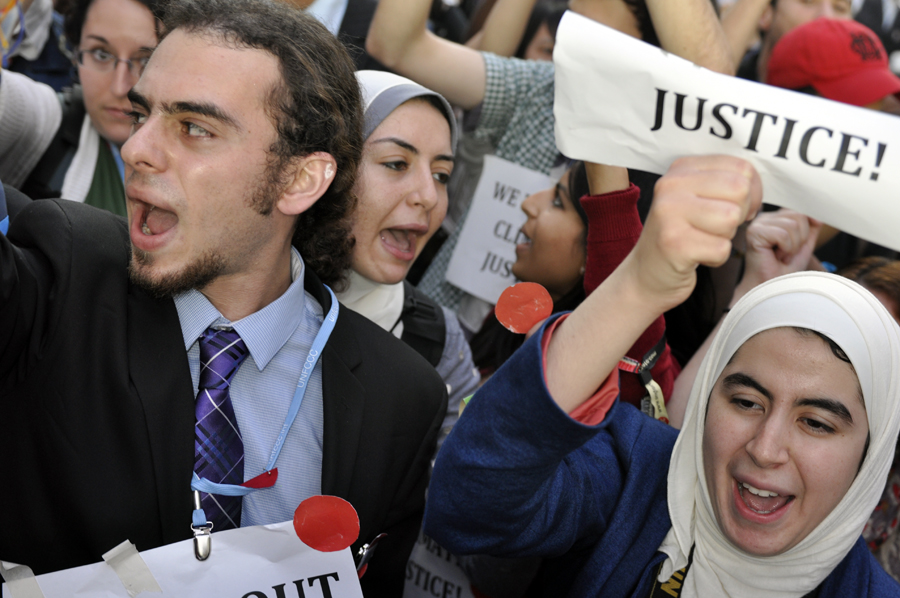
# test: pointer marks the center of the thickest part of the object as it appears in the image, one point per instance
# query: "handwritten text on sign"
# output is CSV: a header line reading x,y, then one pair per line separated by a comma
x,y
486,250
620,101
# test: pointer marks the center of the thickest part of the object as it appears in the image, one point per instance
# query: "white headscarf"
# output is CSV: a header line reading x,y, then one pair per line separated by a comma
x,y
855,320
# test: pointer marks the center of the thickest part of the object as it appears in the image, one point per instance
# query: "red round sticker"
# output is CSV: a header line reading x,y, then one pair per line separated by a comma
x,y
523,305
326,523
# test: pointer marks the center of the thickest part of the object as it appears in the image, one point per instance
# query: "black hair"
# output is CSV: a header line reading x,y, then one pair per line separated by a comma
x,y
808,90
645,23
493,344
315,107
802,331
76,13
547,12
578,188
835,348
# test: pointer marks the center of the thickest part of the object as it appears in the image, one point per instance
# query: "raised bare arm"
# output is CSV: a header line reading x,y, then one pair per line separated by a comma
x,y
399,38
741,25
691,29
696,210
503,30
778,243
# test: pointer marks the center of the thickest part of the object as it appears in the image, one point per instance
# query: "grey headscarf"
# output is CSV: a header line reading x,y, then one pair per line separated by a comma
x,y
385,92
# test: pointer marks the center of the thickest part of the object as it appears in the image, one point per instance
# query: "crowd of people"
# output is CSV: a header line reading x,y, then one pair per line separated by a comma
x,y
229,225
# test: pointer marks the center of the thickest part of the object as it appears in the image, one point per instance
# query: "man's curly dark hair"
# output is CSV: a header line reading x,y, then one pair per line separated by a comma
x,y
316,107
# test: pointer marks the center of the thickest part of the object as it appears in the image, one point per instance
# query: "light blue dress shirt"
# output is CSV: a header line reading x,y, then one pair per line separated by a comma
x,y
279,338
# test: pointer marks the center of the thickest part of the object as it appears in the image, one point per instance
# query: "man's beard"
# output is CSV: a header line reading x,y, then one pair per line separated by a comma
x,y
210,265
195,275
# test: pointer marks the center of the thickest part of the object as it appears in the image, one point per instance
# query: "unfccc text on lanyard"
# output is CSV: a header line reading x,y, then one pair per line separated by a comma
x,y
200,526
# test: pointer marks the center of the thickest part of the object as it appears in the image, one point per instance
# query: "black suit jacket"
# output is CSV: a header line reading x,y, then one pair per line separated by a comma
x,y
97,415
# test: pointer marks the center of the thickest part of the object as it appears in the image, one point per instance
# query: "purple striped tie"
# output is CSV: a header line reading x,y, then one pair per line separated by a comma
x,y
218,447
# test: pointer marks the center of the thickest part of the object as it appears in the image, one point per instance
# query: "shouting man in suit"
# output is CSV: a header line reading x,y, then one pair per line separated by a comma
x,y
136,358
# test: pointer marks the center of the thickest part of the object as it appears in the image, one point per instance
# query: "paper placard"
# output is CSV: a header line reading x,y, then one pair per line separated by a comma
x,y
433,572
266,561
486,249
622,102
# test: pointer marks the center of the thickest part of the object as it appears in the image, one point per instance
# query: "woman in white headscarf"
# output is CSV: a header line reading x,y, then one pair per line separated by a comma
x,y
789,433
856,322
411,135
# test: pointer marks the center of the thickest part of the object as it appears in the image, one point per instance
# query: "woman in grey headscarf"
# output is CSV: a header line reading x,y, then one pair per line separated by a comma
x,y
410,134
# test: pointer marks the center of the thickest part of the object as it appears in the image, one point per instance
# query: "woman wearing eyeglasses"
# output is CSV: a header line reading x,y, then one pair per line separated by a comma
x,y
67,145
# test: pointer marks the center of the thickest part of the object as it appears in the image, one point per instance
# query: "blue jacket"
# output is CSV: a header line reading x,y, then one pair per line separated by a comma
x,y
518,477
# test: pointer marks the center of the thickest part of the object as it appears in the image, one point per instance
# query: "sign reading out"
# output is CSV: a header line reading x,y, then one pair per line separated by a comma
x,y
266,561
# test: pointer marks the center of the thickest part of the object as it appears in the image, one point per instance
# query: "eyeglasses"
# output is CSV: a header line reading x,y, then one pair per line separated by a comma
x,y
102,61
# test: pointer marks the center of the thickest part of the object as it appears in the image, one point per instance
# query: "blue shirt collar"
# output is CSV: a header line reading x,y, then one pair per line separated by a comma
x,y
264,332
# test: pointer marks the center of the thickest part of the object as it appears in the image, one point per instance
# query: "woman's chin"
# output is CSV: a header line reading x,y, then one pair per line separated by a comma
x,y
516,270
386,276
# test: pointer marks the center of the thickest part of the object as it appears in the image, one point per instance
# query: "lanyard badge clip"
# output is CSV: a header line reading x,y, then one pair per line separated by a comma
x,y
653,403
202,531
202,527
364,555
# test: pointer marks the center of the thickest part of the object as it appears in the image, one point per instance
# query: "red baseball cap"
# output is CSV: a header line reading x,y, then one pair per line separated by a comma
x,y
841,59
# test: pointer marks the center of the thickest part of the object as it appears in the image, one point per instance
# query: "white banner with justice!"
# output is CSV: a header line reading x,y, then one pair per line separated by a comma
x,y
267,561
622,102
486,249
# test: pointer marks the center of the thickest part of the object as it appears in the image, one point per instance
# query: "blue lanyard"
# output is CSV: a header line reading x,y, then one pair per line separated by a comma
x,y
204,485
4,214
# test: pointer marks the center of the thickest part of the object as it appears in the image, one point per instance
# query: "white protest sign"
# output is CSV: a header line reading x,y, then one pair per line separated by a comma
x,y
622,102
433,572
251,562
486,248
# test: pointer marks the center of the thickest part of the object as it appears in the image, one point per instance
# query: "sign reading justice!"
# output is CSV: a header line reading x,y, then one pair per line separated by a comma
x,y
622,102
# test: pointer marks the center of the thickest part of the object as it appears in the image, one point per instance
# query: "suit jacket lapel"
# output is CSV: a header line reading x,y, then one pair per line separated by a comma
x,y
159,371
342,395
160,374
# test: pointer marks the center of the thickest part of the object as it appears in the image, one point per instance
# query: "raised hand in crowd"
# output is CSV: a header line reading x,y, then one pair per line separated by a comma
x,y
778,243
400,39
504,27
698,206
741,25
